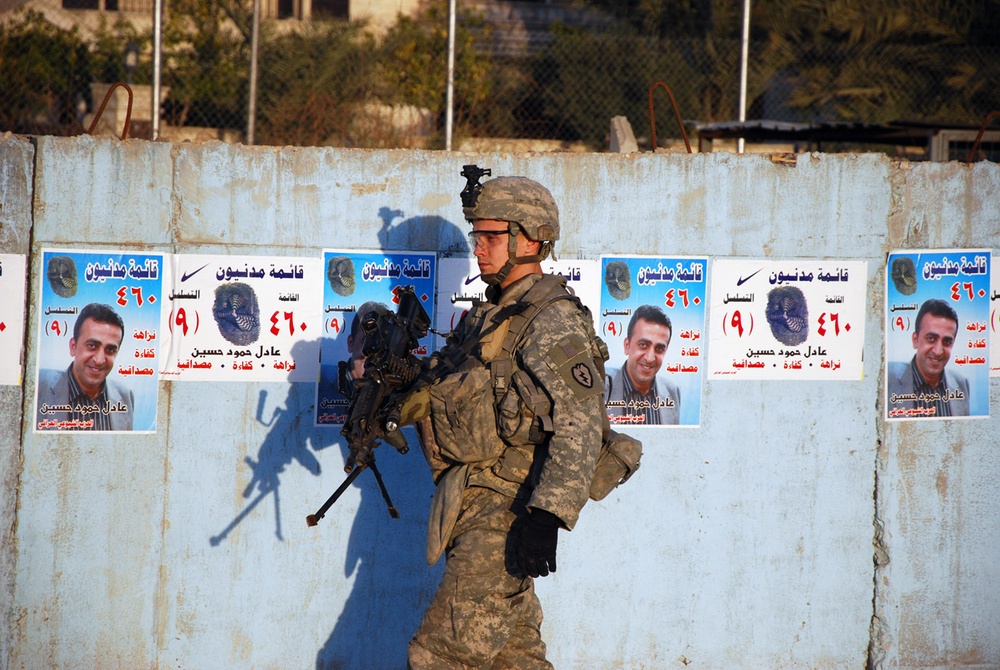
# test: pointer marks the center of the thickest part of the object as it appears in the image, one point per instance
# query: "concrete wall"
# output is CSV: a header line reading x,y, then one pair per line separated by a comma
x,y
745,543
16,160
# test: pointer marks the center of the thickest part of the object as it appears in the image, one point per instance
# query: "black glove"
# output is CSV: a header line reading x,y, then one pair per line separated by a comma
x,y
536,549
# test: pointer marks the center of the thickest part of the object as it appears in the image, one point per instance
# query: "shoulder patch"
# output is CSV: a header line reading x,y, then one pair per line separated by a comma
x,y
571,358
583,375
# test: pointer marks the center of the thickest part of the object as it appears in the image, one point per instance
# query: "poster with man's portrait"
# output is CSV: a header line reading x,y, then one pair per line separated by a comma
x,y
357,285
98,335
937,318
652,317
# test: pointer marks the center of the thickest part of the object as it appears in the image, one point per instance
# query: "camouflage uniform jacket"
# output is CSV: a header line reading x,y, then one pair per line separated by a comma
x,y
547,457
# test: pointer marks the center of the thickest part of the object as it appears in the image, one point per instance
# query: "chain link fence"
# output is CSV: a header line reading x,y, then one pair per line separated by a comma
x,y
542,75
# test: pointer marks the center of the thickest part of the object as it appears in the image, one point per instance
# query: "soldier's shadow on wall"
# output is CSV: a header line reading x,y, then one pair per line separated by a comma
x,y
385,556
291,438
392,582
420,233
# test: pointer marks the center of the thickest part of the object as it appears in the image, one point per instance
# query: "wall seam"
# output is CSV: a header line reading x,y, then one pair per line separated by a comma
x,y
878,642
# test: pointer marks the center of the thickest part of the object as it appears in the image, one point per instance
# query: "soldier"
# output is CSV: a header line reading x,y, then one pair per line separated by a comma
x,y
517,415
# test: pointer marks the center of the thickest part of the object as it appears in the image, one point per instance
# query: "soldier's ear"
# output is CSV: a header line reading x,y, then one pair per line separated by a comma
x,y
532,247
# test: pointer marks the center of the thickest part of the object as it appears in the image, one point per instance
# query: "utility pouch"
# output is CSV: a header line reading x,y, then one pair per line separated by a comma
x,y
619,459
464,418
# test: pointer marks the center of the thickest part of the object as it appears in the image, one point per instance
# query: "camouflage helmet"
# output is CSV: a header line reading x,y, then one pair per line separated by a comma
x,y
518,200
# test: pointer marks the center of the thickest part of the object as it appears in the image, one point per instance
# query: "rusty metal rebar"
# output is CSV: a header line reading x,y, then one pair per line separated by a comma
x,y
982,131
107,97
677,113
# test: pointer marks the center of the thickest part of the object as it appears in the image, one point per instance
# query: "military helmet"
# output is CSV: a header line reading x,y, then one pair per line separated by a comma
x,y
519,200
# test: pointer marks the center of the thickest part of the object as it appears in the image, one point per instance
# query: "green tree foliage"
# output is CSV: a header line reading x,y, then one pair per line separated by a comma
x,y
833,60
108,52
206,47
586,78
677,19
883,60
312,84
809,60
412,68
44,74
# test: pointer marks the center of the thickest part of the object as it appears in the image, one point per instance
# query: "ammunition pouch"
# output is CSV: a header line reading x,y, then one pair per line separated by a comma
x,y
618,461
464,418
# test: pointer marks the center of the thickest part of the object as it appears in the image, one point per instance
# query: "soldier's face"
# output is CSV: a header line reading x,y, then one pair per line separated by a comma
x,y
645,349
933,343
489,240
94,354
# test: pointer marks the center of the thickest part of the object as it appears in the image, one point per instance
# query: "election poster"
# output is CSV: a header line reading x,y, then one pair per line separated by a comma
x,y
460,286
787,319
98,341
357,284
995,324
937,318
241,318
652,317
13,284
583,277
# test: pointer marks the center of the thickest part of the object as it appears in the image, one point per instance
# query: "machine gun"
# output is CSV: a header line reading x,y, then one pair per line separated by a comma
x,y
375,406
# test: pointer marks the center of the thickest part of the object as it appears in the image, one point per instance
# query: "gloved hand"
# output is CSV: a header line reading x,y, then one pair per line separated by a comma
x,y
536,548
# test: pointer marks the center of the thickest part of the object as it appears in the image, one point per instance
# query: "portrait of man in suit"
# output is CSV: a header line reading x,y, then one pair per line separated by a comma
x,y
637,389
925,386
82,396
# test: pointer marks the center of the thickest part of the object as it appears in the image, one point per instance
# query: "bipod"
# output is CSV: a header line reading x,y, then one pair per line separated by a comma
x,y
313,519
385,492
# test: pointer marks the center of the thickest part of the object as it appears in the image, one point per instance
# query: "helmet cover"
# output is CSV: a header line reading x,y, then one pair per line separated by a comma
x,y
518,200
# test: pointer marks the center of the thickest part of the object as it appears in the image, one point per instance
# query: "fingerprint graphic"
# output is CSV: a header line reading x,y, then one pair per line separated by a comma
x,y
788,315
618,280
237,313
904,275
62,276
340,273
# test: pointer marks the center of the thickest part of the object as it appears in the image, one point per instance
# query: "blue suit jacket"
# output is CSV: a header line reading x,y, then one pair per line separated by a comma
x,y
669,416
53,389
899,379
